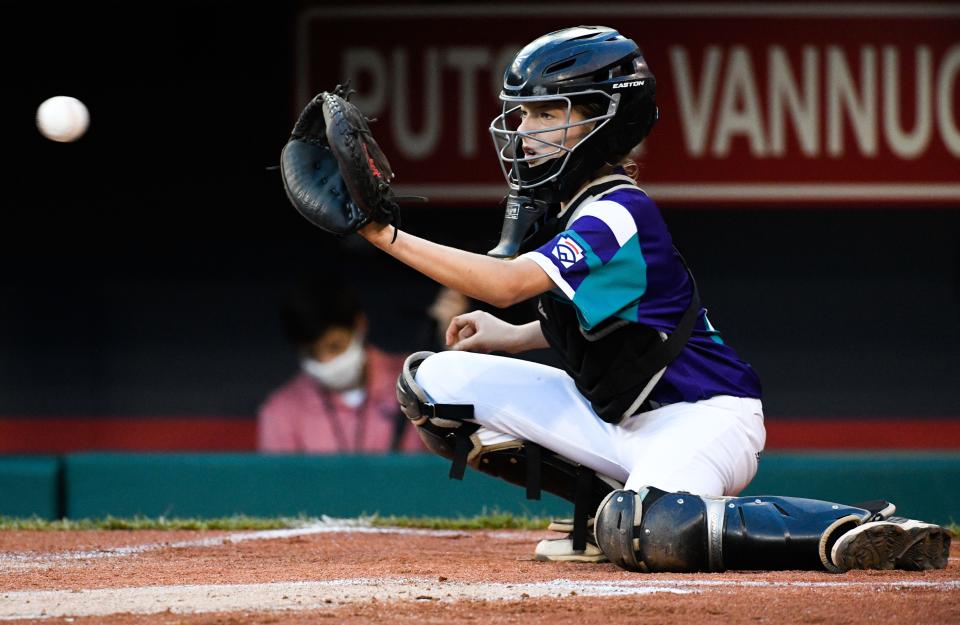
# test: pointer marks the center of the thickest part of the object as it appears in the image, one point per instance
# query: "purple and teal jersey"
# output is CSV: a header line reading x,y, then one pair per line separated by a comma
x,y
616,259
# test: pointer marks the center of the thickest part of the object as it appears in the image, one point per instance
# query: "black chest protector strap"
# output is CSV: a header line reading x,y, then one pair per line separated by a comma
x,y
594,191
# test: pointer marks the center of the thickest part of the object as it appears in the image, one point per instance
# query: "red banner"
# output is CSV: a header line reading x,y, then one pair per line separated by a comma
x,y
782,103
30,435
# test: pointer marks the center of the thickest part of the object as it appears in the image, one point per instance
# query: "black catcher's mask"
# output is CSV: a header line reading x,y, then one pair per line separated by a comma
x,y
593,67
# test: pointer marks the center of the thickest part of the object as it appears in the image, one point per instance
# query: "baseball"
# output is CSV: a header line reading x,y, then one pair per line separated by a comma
x,y
62,118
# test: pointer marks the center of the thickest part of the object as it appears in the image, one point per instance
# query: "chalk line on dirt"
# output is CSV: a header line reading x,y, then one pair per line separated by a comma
x,y
22,561
316,595
280,596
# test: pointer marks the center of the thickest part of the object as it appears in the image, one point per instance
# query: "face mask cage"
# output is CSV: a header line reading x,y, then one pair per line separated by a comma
x,y
508,140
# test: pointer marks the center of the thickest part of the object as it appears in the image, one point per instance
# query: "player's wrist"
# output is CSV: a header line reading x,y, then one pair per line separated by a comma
x,y
528,337
377,233
516,339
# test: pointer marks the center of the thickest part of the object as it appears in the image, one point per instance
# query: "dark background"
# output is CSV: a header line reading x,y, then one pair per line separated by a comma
x,y
142,265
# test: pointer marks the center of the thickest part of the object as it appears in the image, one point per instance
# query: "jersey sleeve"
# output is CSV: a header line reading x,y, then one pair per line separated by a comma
x,y
596,262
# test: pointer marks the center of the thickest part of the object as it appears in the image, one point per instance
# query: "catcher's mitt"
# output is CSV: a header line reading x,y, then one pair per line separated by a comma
x,y
333,170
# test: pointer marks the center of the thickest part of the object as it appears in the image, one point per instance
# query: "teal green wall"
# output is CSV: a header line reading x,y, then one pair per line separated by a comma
x,y
30,486
212,485
923,485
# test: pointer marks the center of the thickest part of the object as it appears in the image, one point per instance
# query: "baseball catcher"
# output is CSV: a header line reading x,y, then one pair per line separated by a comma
x,y
654,424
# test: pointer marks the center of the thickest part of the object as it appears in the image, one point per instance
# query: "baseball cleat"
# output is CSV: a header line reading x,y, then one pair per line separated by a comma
x,y
895,543
561,550
565,526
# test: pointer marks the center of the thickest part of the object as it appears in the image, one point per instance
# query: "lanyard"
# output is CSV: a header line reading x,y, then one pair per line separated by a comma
x,y
338,432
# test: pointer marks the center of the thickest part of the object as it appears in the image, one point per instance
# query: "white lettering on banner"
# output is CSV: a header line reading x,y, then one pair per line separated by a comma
x,y
468,61
826,101
416,146
861,111
695,109
785,93
739,106
360,61
946,110
913,144
848,101
364,66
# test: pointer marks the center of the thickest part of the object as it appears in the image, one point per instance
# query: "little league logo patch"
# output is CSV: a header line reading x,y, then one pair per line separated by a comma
x,y
567,251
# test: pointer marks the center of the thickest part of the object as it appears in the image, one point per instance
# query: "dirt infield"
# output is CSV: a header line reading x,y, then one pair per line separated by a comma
x,y
333,573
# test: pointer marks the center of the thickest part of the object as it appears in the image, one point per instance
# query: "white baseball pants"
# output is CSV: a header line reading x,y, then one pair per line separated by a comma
x,y
710,447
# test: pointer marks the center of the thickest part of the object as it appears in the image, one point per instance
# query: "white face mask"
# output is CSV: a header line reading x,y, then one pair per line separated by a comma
x,y
343,372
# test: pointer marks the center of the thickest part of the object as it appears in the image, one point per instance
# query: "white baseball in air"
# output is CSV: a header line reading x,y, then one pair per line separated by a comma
x,y
62,118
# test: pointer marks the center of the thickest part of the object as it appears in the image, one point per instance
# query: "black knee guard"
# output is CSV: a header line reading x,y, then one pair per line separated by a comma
x,y
445,431
659,531
444,428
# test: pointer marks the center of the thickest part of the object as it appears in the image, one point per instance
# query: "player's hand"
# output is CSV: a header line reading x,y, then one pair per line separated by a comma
x,y
479,331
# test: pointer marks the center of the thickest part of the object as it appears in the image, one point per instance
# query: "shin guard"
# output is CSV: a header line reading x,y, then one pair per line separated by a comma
x,y
658,531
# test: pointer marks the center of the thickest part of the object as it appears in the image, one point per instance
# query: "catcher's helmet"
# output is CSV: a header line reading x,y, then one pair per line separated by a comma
x,y
592,65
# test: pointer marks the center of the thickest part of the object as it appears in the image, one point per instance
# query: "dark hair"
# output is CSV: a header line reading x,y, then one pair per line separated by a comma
x,y
314,305
595,108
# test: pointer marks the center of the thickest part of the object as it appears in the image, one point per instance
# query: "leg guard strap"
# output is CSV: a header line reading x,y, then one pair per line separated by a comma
x,y
462,447
582,507
533,459
414,402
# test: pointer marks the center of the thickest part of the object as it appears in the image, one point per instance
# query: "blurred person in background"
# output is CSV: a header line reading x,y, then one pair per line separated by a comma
x,y
343,398
447,305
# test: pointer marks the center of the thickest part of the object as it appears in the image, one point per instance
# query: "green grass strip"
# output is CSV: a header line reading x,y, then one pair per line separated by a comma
x,y
493,521
236,523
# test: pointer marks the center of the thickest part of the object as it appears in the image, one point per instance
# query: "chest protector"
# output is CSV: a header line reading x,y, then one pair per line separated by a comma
x,y
617,364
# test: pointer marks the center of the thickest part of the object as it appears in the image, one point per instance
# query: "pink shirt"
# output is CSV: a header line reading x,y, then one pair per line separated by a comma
x,y
302,416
